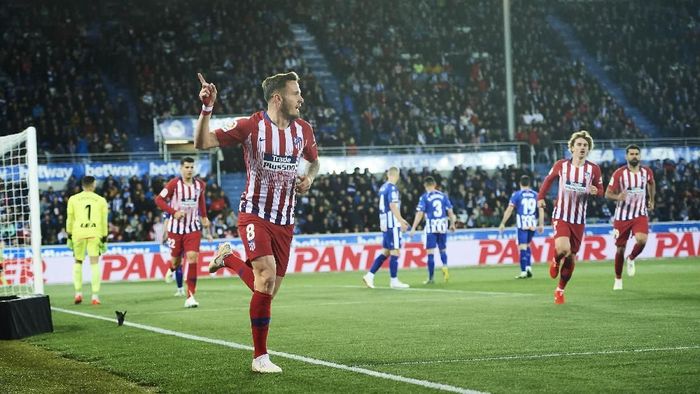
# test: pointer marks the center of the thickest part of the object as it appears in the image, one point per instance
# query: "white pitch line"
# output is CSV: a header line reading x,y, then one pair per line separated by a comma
x,y
309,360
489,293
536,356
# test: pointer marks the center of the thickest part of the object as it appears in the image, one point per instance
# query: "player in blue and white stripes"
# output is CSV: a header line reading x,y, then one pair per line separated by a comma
x,y
391,223
527,217
437,208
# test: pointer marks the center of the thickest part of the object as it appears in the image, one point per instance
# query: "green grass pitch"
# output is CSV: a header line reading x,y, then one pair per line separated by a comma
x,y
482,331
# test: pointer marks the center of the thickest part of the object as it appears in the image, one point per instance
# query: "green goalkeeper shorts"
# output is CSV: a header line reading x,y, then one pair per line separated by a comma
x,y
92,245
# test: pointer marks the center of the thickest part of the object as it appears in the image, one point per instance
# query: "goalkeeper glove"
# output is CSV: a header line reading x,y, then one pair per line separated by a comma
x,y
69,243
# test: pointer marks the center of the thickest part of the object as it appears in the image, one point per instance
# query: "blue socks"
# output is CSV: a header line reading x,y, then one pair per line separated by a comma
x,y
394,266
524,259
377,264
431,266
443,257
178,276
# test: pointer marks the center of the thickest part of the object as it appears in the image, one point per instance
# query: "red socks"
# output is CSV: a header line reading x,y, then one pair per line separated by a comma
x,y
619,261
260,321
238,266
637,250
567,269
191,278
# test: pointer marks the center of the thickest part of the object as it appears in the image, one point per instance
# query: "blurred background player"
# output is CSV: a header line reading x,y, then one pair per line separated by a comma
x,y
86,225
274,142
629,186
436,207
391,224
578,178
527,217
183,198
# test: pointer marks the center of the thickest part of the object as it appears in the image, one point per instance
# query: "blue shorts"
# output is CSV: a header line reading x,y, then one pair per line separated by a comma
x,y
391,239
525,236
433,239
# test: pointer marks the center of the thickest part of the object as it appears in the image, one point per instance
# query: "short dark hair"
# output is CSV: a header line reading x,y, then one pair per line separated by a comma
x,y
429,180
88,180
524,180
632,146
186,159
277,82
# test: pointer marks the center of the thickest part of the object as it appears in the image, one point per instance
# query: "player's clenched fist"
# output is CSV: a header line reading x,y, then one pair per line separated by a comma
x,y
208,92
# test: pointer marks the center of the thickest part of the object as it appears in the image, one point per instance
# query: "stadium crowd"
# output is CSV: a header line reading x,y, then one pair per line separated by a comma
x,y
652,49
48,80
342,203
440,82
79,71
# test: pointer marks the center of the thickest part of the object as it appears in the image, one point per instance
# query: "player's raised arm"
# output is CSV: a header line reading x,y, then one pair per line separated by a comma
x,y
203,137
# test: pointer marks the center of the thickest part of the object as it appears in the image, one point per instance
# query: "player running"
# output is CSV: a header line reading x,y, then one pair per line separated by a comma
x,y
437,208
629,187
86,226
578,179
183,199
527,217
274,142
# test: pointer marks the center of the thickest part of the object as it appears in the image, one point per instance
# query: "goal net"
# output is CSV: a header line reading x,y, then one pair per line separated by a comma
x,y
20,230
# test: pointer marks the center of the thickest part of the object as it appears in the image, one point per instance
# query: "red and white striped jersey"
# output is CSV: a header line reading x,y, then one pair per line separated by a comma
x,y
574,183
635,184
180,196
272,158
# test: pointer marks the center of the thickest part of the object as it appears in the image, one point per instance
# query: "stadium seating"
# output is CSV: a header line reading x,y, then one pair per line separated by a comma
x,y
652,49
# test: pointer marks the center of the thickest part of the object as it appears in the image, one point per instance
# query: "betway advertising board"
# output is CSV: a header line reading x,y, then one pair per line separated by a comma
x,y
60,172
356,252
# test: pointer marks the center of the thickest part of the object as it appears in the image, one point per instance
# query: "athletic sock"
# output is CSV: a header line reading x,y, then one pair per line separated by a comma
x,y
394,266
523,260
191,279
528,260
178,276
239,266
78,277
636,250
619,261
377,263
567,269
96,277
443,257
431,266
260,321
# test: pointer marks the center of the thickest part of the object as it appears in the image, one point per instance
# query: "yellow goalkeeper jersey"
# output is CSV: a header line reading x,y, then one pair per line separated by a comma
x,y
87,216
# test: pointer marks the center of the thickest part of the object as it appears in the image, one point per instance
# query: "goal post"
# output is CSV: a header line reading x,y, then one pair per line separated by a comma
x,y
20,228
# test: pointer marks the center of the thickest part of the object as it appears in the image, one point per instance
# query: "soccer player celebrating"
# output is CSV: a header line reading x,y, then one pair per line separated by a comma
x,y
274,142
527,217
436,207
86,226
390,222
183,199
629,187
578,179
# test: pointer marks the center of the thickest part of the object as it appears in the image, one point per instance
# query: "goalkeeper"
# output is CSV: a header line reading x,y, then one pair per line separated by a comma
x,y
86,226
